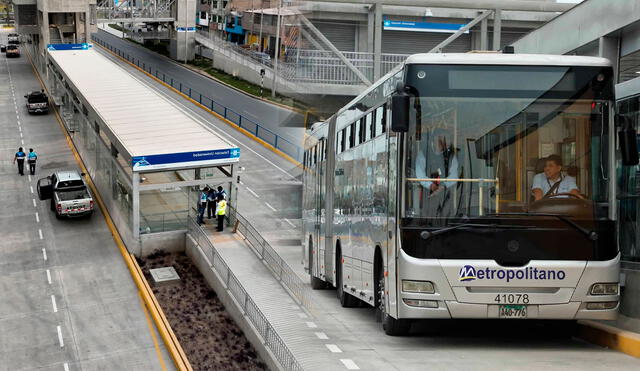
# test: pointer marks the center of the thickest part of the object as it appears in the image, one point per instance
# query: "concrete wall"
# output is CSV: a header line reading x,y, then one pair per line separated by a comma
x,y
173,241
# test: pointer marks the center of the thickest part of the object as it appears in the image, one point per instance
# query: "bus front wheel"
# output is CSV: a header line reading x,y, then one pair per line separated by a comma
x,y
390,325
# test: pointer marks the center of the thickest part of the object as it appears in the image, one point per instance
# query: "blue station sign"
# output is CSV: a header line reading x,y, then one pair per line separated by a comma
x,y
422,26
83,46
175,160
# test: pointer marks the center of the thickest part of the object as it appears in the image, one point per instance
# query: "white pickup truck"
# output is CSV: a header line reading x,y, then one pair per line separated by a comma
x,y
68,193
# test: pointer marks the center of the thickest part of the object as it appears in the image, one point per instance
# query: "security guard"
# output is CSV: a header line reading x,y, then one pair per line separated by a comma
x,y
31,159
221,210
20,156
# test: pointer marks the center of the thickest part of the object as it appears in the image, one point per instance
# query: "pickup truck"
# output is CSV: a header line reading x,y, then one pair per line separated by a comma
x,y
12,51
37,102
68,193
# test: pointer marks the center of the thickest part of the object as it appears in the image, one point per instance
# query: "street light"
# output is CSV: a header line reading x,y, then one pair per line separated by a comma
x,y
277,53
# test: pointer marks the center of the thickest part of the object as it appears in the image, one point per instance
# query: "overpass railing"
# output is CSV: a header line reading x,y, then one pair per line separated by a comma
x,y
255,128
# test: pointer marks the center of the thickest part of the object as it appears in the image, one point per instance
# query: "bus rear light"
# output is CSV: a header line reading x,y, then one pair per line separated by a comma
x,y
604,289
59,208
603,305
421,303
423,287
91,205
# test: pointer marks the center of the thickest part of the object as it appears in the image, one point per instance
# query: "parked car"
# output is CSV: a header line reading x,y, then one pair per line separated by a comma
x,y
37,102
261,57
13,38
3,48
68,192
12,51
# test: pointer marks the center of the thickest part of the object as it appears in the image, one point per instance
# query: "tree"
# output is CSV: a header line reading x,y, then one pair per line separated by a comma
x,y
6,6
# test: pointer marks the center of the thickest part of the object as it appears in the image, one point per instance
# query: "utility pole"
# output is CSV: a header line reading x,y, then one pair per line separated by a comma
x,y
186,16
277,53
261,23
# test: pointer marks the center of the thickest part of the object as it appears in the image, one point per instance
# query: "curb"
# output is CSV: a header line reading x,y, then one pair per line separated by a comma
x,y
610,337
217,115
162,324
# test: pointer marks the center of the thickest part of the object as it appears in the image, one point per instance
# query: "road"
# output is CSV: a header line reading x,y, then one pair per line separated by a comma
x,y
282,121
67,300
269,198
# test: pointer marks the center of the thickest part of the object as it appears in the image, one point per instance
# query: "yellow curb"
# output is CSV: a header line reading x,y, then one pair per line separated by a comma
x,y
231,123
610,337
164,328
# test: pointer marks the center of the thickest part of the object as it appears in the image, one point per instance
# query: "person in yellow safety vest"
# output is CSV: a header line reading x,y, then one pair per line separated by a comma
x,y
221,210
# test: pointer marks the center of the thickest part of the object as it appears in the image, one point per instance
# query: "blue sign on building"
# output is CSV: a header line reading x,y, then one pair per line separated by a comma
x,y
83,46
421,26
186,29
175,159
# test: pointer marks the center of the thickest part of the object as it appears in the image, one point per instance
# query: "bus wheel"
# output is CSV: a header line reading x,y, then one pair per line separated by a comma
x,y
316,283
346,300
390,325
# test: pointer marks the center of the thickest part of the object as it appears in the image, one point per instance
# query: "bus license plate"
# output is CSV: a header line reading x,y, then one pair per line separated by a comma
x,y
513,311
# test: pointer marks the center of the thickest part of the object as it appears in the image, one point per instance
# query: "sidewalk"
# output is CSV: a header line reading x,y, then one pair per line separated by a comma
x,y
290,321
622,335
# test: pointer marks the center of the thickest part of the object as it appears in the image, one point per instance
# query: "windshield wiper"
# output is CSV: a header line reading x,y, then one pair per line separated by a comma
x,y
593,235
425,235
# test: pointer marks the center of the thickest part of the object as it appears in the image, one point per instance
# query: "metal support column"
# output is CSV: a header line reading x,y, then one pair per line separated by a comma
x,y
497,28
370,29
609,47
484,37
377,48
274,85
135,213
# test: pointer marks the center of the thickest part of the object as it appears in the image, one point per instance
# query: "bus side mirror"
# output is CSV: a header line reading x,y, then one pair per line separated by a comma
x,y
628,142
400,112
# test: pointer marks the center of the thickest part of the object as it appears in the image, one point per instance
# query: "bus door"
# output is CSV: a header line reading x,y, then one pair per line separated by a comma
x,y
392,219
318,230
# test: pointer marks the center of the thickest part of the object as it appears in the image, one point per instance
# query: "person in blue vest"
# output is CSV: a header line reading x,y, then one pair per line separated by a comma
x,y
31,159
19,157
202,204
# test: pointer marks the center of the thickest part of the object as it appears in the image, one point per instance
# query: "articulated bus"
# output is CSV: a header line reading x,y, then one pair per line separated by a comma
x,y
470,186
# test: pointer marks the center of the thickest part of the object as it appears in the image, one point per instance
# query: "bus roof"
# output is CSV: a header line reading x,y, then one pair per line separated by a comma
x,y
507,59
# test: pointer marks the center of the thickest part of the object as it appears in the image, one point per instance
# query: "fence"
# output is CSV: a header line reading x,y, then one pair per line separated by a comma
x,y
272,340
279,268
241,121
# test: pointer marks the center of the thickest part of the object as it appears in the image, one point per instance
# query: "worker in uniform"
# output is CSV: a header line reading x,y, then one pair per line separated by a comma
x,y
19,157
221,210
31,159
202,204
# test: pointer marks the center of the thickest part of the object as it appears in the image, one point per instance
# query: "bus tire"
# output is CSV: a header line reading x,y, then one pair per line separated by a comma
x,y
390,325
316,283
346,300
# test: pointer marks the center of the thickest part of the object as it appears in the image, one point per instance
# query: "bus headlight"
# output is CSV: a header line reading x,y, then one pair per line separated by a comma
x,y
421,303
604,289
423,287
603,305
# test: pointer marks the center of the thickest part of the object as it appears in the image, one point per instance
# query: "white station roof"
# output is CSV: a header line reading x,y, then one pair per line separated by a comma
x,y
153,131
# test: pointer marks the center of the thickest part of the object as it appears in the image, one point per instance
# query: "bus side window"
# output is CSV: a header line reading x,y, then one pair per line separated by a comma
x,y
324,149
380,124
304,160
339,142
368,126
351,135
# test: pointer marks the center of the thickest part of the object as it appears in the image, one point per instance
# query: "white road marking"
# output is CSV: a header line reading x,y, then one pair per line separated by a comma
x,y
37,218
31,187
22,141
66,366
44,253
60,337
40,233
21,134
252,192
34,202
270,207
322,335
29,177
241,182
333,348
349,364
288,221
302,315
311,325
20,128
53,302
49,276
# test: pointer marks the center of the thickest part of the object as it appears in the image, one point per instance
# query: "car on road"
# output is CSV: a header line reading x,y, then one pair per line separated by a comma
x,y
3,48
261,57
37,102
13,38
12,51
68,192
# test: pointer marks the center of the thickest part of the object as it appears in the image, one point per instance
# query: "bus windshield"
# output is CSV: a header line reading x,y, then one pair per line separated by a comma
x,y
486,141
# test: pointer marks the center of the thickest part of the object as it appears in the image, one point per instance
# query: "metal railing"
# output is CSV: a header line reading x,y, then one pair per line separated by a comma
x,y
253,127
278,267
271,339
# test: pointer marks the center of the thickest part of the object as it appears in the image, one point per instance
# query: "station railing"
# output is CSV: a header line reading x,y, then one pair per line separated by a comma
x,y
271,339
251,126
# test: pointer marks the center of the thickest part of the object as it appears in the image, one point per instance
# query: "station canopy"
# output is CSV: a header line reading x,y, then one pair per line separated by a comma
x,y
151,132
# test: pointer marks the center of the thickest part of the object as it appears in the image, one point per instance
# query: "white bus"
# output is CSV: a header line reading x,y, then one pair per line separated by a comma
x,y
470,186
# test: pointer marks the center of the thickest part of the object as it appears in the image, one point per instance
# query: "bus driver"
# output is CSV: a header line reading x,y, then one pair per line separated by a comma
x,y
552,181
